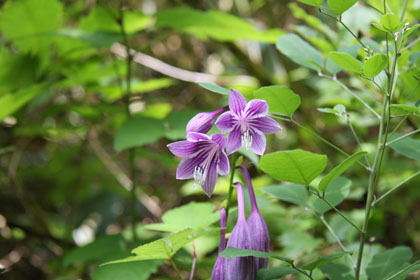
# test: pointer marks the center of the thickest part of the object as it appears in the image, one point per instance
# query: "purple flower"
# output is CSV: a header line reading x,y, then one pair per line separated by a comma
x,y
243,268
218,272
256,222
202,122
203,159
246,123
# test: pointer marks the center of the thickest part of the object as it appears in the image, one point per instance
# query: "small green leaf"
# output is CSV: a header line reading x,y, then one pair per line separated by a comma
x,y
293,193
338,110
316,3
408,147
231,253
274,272
390,22
388,262
138,131
323,260
295,166
337,191
340,6
214,88
375,65
194,215
339,169
280,99
300,51
346,61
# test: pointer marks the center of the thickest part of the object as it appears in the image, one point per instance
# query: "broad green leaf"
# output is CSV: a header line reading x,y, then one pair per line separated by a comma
x,y
300,51
11,102
375,65
280,99
337,271
176,122
408,146
103,249
194,215
26,23
316,3
292,193
215,24
337,191
275,272
159,110
231,253
295,166
97,39
386,263
214,88
297,243
323,260
403,109
346,61
138,131
340,6
391,22
163,248
339,169
140,270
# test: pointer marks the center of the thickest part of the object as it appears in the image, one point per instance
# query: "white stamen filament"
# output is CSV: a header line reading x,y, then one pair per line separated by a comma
x,y
246,140
200,171
199,175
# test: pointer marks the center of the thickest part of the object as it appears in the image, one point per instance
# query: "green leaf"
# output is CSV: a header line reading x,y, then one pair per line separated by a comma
x,y
408,147
194,215
11,102
403,109
215,24
293,193
97,39
340,6
300,51
231,253
337,271
26,23
346,61
338,110
316,3
295,166
297,243
280,99
337,191
103,249
140,270
176,122
390,22
274,272
339,169
138,131
323,260
163,248
214,88
388,262
375,65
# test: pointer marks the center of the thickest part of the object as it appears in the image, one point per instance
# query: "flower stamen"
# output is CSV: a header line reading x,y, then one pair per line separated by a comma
x,y
246,139
199,175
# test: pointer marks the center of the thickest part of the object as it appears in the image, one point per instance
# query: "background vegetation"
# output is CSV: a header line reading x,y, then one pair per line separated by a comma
x,y
81,124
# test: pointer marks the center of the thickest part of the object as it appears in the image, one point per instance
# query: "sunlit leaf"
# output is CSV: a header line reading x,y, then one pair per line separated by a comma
x,y
346,61
280,99
214,88
390,22
375,65
340,6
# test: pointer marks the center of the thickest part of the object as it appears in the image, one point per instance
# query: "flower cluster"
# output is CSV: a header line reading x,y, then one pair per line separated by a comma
x,y
206,156
251,234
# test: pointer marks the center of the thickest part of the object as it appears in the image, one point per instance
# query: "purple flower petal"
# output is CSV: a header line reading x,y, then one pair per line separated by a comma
x,y
237,101
223,167
258,143
185,168
226,121
264,124
202,122
196,136
211,178
220,139
218,272
256,107
183,148
234,141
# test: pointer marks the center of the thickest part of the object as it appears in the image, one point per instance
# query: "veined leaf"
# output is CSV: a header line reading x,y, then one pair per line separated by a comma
x,y
346,61
280,99
386,263
340,6
391,22
375,65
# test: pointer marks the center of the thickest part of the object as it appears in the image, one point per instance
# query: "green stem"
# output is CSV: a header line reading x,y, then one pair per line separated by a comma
x,y
398,126
175,268
395,188
404,8
352,34
232,174
357,140
403,270
402,137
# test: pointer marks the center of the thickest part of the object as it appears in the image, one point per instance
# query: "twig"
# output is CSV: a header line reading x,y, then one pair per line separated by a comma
x,y
232,174
178,73
403,270
175,268
194,261
357,140
402,137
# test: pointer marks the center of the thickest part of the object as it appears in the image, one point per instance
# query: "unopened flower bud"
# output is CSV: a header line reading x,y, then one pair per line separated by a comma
x,y
202,122
218,272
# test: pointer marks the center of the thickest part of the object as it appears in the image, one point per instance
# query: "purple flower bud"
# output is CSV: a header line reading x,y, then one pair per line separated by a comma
x,y
202,122
259,232
218,272
243,268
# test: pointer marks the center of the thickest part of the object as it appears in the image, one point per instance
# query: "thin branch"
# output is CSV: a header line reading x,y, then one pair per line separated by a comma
x,y
402,137
395,188
194,261
178,73
357,140
403,270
